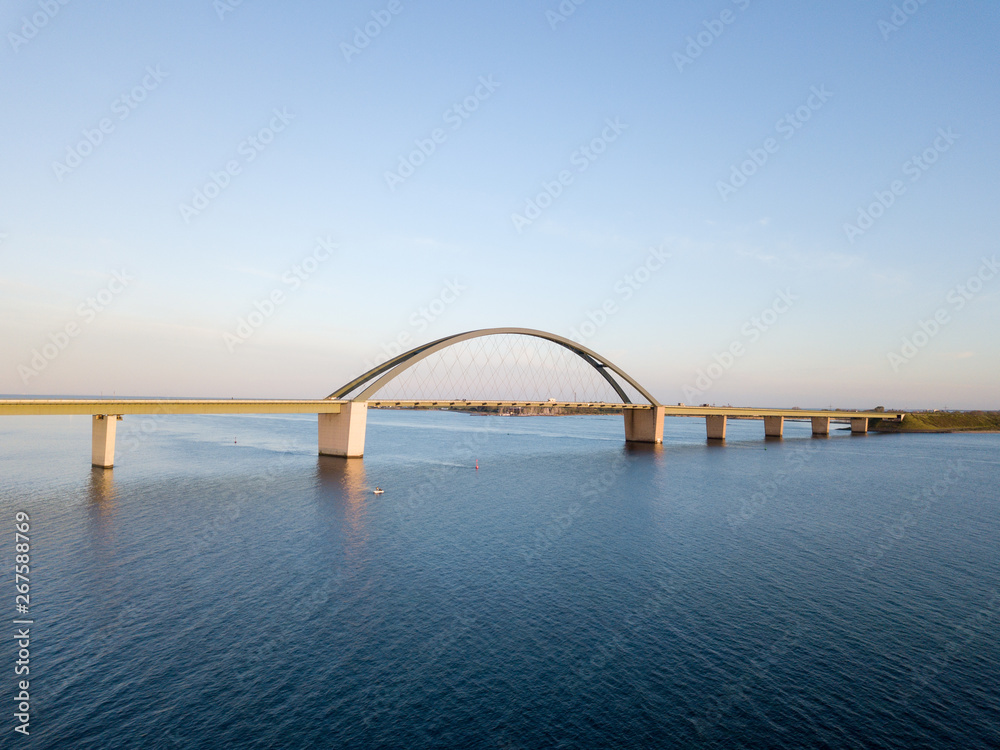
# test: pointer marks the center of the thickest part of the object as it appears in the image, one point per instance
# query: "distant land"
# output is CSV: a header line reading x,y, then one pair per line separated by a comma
x,y
540,410
917,421
942,421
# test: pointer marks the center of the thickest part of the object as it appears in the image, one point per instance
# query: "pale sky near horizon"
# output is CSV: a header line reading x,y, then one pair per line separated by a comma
x,y
819,183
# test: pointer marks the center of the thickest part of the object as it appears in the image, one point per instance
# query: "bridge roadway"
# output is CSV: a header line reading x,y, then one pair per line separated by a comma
x,y
342,422
119,406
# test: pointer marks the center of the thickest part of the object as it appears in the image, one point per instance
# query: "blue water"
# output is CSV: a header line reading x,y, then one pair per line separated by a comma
x,y
571,593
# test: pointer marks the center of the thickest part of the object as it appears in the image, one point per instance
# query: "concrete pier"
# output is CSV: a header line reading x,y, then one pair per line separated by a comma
x,y
102,440
715,426
859,425
644,425
821,425
343,434
774,427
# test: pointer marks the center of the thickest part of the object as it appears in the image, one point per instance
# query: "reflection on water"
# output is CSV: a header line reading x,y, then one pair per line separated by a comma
x,y
101,507
344,481
572,592
347,474
639,449
101,488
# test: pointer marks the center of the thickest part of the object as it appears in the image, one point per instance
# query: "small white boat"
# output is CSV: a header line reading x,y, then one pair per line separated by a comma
x,y
378,491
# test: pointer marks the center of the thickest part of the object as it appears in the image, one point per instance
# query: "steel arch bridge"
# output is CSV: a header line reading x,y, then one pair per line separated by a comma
x,y
343,434
380,376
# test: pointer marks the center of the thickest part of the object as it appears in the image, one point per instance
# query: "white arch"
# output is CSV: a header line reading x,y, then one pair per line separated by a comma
x,y
388,371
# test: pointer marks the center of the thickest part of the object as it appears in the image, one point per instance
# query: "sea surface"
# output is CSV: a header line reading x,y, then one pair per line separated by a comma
x,y
225,587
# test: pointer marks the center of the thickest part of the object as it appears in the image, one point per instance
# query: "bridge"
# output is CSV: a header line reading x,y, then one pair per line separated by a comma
x,y
342,416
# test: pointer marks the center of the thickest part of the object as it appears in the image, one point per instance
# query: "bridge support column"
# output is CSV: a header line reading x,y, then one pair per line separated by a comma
x,y
821,425
715,426
859,425
644,425
774,426
344,434
102,440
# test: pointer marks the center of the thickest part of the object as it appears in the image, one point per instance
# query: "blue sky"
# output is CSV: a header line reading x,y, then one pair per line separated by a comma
x,y
695,92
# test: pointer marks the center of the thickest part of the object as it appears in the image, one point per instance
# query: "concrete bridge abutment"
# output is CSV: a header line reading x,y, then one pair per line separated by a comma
x,y
343,434
644,425
859,425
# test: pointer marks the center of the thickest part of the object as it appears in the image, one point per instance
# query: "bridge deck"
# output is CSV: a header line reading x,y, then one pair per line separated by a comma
x,y
168,406
333,406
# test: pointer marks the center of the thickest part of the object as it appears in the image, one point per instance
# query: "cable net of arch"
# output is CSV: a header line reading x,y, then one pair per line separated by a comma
x,y
505,367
